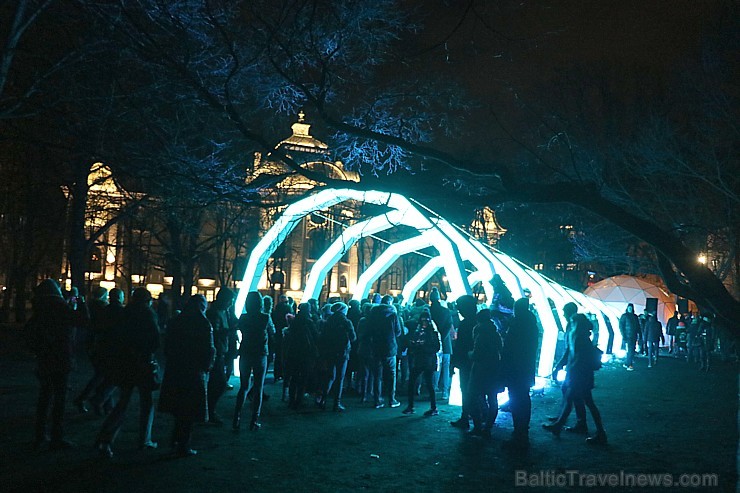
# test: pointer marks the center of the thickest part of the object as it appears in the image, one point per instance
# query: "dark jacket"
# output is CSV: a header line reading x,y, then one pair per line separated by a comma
x,y
51,332
224,324
257,333
423,348
300,347
578,358
485,373
463,344
629,326
385,327
279,314
443,320
134,340
520,350
653,330
337,338
190,354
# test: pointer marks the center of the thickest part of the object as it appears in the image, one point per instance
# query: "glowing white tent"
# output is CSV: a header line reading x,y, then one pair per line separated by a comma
x,y
455,250
618,291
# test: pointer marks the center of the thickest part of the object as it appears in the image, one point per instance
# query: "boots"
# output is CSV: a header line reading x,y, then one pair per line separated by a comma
x,y
237,421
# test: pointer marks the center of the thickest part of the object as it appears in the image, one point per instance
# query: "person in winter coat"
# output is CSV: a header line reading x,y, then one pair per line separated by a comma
x,y
485,374
137,339
221,317
337,340
51,332
654,336
518,363
190,355
386,328
443,320
257,331
300,352
580,379
463,345
424,344
629,326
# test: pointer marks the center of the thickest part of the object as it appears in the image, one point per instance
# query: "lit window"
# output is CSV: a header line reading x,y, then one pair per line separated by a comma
x,y
539,266
571,267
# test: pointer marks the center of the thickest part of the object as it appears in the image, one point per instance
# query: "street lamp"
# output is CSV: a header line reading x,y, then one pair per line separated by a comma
x,y
702,259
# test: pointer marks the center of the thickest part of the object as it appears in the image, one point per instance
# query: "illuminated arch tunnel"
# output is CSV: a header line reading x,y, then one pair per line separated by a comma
x,y
454,248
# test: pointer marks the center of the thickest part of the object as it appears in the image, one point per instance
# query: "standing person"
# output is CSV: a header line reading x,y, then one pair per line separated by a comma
x,y
337,340
485,374
570,310
257,330
97,308
300,353
463,345
424,344
670,329
137,339
518,362
443,320
629,325
282,309
580,379
653,337
223,321
102,400
190,354
385,327
51,332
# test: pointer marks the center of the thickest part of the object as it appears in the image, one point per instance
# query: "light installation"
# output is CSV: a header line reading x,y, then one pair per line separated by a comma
x,y
466,262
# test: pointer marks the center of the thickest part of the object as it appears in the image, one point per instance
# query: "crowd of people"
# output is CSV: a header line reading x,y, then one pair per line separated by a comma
x,y
317,353
688,336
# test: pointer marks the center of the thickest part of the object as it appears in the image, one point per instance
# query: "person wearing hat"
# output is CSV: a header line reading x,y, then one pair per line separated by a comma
x,y
51,332
338,336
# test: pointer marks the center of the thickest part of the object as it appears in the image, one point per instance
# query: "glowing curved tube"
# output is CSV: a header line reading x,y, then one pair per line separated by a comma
x,y
386,259
339,246
421,277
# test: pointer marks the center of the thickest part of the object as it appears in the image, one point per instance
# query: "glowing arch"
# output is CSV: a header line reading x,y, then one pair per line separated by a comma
x,y
454,248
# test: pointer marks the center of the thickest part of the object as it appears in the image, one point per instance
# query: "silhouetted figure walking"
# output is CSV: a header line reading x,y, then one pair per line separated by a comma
x,y
580,379
257,331
137,339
